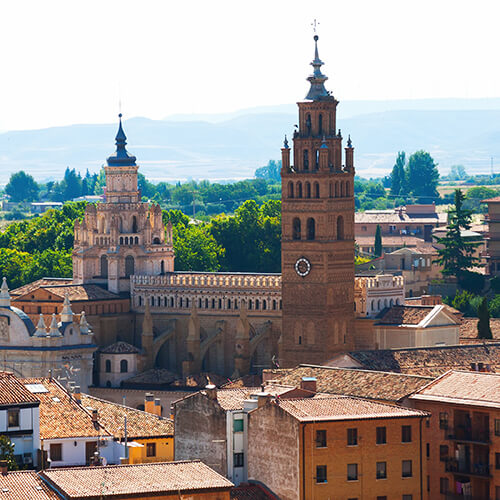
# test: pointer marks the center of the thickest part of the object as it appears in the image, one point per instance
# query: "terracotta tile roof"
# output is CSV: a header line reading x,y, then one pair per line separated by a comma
x,y
120,348
30,287
396,217
470,388
367,384
139,423
162,377
468,330
60,415
404,315
429,361
25,485
251,492
12,390
394,241
146,479
342,408
495,199
155,376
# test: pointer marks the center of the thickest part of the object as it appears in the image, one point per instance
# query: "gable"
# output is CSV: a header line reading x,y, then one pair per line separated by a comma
x,y
39,294
440,317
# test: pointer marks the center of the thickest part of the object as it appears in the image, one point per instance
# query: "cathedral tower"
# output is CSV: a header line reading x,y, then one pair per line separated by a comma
x,y
123,236
317,232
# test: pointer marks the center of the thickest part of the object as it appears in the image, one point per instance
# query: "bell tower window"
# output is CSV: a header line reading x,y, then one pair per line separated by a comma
x,y
134,224
306,159
104,266
296,229
308,190
320,124
290,190
340,227
299,190
311,230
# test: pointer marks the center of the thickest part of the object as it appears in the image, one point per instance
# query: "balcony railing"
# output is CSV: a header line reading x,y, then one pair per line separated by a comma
x,y
474,469
472,435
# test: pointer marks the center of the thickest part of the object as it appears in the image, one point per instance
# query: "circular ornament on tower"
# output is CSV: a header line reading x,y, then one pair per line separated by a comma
x,y
302,267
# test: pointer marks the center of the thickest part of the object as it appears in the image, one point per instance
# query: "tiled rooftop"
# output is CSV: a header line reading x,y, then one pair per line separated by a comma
x,y
430,361
396,217
251,492
342,408
60,415
12,390
350,382
148,479
120,348
470,388
394,241
404,315
25,485
160,376
139,423
468,330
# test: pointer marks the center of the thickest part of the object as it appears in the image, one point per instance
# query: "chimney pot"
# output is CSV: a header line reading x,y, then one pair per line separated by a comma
x,y
308,384
94,416
211,391
77,394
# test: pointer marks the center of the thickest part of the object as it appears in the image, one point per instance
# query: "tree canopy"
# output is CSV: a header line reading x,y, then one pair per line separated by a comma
x,y
22,187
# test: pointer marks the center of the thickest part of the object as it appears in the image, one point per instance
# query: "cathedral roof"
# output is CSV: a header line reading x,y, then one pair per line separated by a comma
x,y
120,348
121,158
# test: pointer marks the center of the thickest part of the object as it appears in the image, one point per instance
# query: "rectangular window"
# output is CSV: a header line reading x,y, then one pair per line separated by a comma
x,y
382,497
238,459
406,468
497,426
407,497
428,483
151,449
497,461
321,474
13,417
427,450
381,470
56,452
352,472
238,425
321,439
443,420
352,437
406,433
443,485
381,435
443,452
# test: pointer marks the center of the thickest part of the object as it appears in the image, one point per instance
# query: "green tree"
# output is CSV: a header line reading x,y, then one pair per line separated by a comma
x,y
22,187
272,171
475,195
422,175
457,254
7,452
457,173
398,176
483,324
378,242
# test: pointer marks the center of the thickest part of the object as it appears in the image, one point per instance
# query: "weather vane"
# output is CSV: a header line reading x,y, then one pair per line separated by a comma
x,y
315,25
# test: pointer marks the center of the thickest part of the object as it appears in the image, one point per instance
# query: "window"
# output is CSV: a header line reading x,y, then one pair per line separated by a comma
x,y
427,450
406,468
108,366
381,431
443,452
56,452
352,437
381,470
151,449
352,472
129,266
238,425
383,497
310,229
123,366
443,420
406,433
407,497
13,417
104,266
497,461
296,229
238,459
443,485
340,227
306,159
321,439
321,474
428,483
497,426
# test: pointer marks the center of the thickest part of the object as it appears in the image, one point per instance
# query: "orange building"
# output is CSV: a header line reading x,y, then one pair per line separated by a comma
x,y
337,447
462,440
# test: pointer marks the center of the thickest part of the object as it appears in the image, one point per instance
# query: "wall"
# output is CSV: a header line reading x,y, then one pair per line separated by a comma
x,y
164,451
75,455
273,451
394,337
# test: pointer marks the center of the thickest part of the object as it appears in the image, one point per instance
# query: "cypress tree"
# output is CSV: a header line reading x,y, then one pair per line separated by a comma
x,y
483,324
378,242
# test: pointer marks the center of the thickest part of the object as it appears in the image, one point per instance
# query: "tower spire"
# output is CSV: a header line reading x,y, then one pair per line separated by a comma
x,y
317,92
121,156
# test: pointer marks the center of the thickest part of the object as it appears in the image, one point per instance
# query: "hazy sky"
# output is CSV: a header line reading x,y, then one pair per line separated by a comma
x,y
69,62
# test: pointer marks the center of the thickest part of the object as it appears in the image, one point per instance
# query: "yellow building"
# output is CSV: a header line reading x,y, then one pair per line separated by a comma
x,y
337,447
150,437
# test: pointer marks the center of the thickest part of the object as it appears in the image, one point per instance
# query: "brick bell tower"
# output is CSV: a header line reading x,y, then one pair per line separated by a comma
x,y
317,249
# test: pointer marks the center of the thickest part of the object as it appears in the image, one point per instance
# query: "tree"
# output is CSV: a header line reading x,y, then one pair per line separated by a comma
x,y
378,242
457,254
272,171
422,175
457,173
22,187
7,452
398,176
483,324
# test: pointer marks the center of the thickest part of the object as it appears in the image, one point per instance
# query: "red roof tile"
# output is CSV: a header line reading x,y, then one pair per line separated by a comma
x,y
24,485
12,391
251,492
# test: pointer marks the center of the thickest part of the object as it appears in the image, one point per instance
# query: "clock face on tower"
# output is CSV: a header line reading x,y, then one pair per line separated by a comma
x,y
302,267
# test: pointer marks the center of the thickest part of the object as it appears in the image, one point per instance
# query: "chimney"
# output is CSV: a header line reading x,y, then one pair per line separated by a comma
x,y
94,416
157,407
3,467
263,398
431,300
308,384
267,375
211,391
480,367
77,394
473,367
149,403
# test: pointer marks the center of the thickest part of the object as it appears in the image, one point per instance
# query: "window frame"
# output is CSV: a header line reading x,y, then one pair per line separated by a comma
x,y
241,423
352,436
378,433
321,442
356,472
408,474
406,432
323,475
59,454
383,473
151,449
239,459
15,415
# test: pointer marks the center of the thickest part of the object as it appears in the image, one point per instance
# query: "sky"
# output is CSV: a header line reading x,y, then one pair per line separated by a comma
x,y
66,62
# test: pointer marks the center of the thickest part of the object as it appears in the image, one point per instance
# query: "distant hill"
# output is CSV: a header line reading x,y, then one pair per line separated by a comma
x,y
232,146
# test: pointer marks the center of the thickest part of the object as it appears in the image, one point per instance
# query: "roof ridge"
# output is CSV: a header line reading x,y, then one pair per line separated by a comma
x,y
363,370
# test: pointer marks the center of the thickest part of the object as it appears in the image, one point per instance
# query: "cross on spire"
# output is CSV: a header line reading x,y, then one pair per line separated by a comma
x,y
315,25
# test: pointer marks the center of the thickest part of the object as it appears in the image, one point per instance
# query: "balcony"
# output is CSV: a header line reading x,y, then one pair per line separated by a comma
x,y
467,435
472,469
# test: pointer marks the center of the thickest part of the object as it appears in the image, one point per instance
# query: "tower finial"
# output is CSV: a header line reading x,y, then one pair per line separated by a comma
x,y
317,80
4,294
121,157
349,142
285,143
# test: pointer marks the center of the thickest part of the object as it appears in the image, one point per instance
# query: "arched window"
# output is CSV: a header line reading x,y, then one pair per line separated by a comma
x,y
311,229
317,158
290,190
391,303
137,240
306,159
296,229
104,266
342,189
337,189
264,304
180,302
206,303
373,305
123,366
172,302
162,267
320,124
379,304
308,124
129,266
156,241
108,366
385,302
316,190
347,189
121,240
134,224
257,304
274,304
308,190
299,189
340,227
331,192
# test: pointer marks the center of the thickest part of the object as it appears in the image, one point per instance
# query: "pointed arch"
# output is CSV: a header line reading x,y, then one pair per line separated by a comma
x,y
104,266
306,159
296,230
336,189
134,224
347,189
340,227
129,266
331,190
311,229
